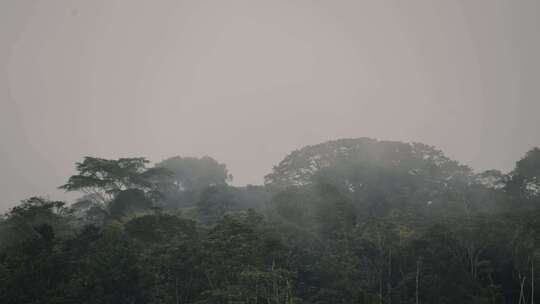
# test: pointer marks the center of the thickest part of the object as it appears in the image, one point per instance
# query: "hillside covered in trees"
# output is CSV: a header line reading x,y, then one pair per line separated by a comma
x,y
345,221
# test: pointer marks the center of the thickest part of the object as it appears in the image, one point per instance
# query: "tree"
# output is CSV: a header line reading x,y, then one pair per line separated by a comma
x,y
22,222
299,167
240,248
103,178
523,183
170,252
87,211
33,270
295,205
215,202
335,214
129,201
347,221
379,176
104,267
31,267
191,173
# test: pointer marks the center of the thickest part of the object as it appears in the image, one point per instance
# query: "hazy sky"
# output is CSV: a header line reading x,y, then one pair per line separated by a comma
x,y
248,81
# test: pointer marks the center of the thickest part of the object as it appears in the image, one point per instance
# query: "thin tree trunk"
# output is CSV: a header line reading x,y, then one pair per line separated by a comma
x,y
380,286
176,289
521,296
532,281
156,285
418,262
389,280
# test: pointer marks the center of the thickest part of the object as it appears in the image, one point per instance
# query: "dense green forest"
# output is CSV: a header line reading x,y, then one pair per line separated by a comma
x,y
345,221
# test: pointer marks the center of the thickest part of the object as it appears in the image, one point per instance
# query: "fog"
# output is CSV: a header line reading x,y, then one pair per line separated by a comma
x,y
246,82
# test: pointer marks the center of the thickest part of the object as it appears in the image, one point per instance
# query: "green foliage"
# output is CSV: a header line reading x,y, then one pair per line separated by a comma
x,y
346,221
524,181
129,201
191,173
23,221
105,270
103,179
299,167
215,202
189,178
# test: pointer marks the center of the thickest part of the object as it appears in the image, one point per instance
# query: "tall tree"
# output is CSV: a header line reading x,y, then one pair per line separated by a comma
x,y
523,182
103,178
192,173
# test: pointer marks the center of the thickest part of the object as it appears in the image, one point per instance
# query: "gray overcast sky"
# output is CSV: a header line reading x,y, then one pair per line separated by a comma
x,y
248,81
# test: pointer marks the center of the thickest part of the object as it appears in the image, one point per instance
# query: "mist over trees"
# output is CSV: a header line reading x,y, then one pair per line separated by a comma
x,y
344,221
